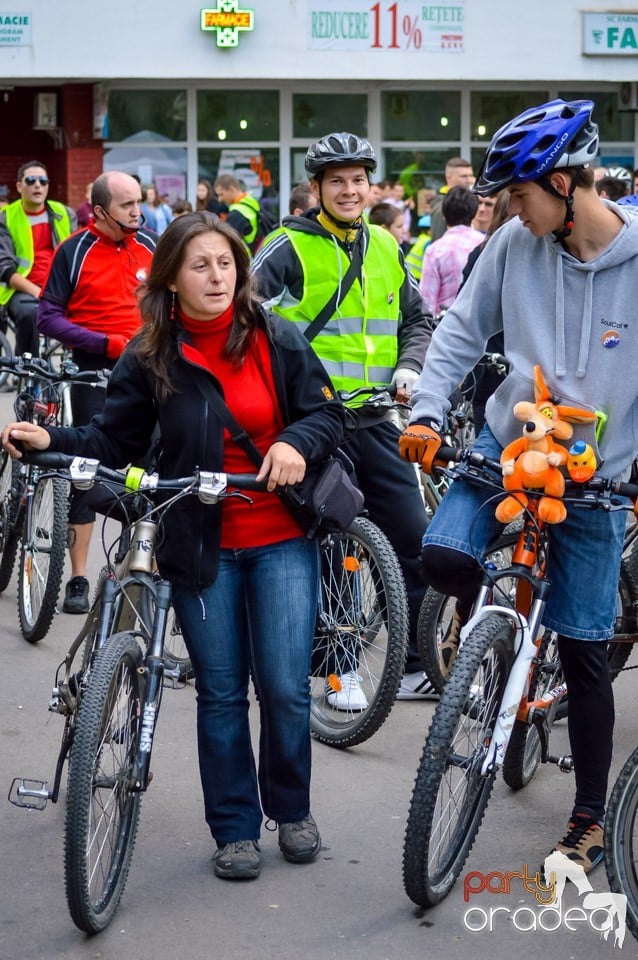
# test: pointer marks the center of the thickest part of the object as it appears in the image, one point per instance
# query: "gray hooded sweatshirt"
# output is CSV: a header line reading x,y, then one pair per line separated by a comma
x,y
578,321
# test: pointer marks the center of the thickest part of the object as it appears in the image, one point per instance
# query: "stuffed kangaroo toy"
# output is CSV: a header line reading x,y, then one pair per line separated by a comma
x,y
534,459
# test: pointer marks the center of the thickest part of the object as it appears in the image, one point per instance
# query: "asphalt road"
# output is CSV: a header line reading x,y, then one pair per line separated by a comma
x,y
348,905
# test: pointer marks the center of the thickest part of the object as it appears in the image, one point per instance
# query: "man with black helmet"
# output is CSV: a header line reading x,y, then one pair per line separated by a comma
x,y
345,282
550,281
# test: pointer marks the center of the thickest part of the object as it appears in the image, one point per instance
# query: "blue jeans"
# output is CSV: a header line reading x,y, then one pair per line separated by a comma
x,y
257,619
584,555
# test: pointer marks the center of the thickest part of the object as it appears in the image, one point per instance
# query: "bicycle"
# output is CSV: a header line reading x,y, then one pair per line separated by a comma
x,y
362,615
621,839
109,688
33,508
506,678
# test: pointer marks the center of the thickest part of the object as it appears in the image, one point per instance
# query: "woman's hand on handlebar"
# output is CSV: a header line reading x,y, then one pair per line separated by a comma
x,y
29,435
283,465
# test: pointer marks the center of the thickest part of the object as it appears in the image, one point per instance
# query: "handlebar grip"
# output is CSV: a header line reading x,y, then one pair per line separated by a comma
x,y
47,459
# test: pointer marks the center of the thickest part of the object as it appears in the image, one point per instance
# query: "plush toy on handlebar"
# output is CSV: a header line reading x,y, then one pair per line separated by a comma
x,y
533,460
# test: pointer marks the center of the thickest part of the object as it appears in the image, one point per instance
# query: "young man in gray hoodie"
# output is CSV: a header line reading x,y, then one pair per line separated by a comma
x,y
558,280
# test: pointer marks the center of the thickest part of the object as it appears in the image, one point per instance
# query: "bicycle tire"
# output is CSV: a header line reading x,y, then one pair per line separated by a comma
x,y
621,839
449,773
437,609
362,625
42,554
104,744
9,528
6,350
524,751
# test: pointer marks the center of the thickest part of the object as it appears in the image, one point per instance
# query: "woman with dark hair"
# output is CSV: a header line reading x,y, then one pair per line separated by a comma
x,y
245,578
206,199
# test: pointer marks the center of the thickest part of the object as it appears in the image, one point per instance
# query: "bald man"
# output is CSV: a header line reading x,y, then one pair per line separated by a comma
x,y
89,304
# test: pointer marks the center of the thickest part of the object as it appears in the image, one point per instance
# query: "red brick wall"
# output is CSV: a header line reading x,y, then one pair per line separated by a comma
x,y
70,168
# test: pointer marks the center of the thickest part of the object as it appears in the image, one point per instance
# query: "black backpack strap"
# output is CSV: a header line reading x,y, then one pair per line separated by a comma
x,y
237,433
352,273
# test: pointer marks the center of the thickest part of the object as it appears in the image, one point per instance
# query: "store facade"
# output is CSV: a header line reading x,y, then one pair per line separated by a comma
x,y
175,93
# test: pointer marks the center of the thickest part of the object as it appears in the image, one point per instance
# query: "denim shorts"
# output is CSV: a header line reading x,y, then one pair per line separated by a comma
x,y
584,555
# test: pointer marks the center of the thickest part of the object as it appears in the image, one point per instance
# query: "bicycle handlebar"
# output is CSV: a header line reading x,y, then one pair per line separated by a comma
x,y
25,364
85,472
593,491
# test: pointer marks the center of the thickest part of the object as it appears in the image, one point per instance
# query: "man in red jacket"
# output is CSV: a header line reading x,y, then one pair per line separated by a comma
x,y
89,303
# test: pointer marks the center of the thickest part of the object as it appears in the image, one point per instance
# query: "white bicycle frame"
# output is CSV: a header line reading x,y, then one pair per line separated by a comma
x,y
525,651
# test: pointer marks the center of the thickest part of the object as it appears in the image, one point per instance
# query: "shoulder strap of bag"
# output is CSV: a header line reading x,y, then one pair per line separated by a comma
x,y
237,433
352,273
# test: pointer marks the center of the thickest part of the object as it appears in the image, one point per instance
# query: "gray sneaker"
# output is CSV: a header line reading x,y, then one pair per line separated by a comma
x,y
239,860
300,841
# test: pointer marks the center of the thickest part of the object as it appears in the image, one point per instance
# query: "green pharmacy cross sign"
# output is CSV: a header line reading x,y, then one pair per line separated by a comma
x,y
227,19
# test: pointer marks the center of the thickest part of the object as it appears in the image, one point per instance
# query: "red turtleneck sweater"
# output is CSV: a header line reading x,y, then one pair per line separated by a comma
x,y
250,395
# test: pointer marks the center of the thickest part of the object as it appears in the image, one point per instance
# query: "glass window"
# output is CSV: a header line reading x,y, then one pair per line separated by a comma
x,y
257,169
316,114
417,169
159,113
490,109
163,166
421,115
244,116
612,123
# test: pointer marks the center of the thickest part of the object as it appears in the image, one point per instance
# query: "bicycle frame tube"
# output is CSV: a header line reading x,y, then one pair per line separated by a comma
x,y
516,685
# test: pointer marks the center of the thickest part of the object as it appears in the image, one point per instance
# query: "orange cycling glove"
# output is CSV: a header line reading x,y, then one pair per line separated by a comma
x,y
419,443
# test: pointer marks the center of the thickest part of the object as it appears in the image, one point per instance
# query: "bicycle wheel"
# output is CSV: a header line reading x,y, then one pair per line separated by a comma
x,y
361,630
437,609
42,558
10,486
450,793
524,751
102,812
176,658
621,839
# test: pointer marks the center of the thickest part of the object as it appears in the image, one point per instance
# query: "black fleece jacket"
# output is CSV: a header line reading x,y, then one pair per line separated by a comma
x,y
192,436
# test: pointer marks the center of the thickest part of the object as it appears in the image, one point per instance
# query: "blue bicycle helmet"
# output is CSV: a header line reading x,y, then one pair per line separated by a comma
x,y
544,138
340,150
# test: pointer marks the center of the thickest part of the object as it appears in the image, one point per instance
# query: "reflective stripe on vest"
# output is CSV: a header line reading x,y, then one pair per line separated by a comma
x,y
358,346
19,227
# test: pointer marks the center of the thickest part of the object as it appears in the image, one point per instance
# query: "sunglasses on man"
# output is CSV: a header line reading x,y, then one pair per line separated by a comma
x,y
30,181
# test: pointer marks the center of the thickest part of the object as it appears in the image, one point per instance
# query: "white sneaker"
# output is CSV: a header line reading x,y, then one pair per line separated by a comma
x,y
416,686
350,696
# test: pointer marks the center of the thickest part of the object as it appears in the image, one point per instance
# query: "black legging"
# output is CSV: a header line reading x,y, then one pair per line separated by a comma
x,y
590,718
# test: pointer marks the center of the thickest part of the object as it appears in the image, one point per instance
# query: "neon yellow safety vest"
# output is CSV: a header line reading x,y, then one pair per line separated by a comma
x,y
358,346
414,256
248,207
19,228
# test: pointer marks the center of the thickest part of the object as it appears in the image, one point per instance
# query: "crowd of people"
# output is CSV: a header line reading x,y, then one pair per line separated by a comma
x,y
346,292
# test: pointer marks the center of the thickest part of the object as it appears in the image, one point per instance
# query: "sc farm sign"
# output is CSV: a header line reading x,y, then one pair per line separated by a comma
x,y
611,34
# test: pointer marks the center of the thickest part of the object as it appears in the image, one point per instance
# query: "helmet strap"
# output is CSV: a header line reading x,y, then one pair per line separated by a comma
x,y
568,223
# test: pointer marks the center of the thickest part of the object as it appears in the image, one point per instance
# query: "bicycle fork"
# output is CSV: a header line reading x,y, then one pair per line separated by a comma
x,y
153,672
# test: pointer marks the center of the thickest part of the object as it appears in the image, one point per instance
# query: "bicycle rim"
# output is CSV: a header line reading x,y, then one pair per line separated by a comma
x,y
361,630
102,812
42,558
621,839
9,533
450,793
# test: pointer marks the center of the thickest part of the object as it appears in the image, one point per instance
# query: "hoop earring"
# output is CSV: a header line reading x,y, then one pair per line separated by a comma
x,y
171,312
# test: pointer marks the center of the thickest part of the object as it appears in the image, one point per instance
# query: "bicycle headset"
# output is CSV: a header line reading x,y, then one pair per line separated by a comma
x,y
549,137
339,150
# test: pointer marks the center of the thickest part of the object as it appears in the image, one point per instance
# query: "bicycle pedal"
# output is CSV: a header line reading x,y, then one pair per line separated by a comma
x,y
565,764
29,794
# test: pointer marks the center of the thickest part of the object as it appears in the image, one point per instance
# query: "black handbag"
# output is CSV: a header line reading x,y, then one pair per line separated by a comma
x,y
326,500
